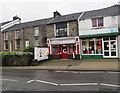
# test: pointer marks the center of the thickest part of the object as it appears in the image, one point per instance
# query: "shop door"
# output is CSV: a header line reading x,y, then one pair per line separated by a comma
x,y
64,52
110,49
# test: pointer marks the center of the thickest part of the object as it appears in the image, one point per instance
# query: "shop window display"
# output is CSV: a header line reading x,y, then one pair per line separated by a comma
x,y
92,46
71,48
55,49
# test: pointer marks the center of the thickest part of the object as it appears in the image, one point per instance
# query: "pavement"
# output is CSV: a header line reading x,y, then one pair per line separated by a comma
x,y
67,64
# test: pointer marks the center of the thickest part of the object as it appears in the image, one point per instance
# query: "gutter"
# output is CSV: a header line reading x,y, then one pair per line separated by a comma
x,y
79,19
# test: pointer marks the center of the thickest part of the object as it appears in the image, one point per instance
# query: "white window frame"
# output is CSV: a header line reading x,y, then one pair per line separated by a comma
x,y
109,41
16,44
97,22
61,29
94,39
27,43
5,45
5,37
17,34
36,31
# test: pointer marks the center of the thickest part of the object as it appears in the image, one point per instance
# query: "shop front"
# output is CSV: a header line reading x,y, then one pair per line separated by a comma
x,y
99,46
63,48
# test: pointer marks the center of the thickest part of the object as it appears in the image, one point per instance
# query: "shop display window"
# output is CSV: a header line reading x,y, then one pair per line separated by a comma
x,y
55,49
71,48
92,46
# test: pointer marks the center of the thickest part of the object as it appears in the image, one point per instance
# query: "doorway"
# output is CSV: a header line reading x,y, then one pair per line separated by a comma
x,y
110,47
64,52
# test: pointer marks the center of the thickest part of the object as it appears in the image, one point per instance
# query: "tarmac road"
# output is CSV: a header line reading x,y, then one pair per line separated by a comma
x,y
45,80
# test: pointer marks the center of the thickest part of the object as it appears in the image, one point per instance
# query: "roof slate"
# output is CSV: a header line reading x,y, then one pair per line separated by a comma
x,y
65,18
109,11
29,24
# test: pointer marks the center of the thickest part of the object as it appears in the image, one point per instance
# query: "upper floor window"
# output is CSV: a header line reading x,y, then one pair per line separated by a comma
x,y
61,32
61,29
6,36
97,22
36,31
17,34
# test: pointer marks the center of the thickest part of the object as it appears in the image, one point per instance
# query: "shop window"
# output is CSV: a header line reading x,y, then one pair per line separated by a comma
x,y
97,22
55,49
92,46
71,48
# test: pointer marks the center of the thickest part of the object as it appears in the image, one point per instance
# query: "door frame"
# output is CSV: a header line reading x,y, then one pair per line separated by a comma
x,y
109,42
64,55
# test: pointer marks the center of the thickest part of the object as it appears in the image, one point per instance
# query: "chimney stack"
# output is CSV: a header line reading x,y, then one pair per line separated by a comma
x,y
16,17
56,14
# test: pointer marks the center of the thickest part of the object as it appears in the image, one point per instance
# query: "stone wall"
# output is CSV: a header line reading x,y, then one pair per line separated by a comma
x,y
50,31
73,28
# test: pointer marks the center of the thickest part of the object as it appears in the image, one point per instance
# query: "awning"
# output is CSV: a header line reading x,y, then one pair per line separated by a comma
x,y
99,35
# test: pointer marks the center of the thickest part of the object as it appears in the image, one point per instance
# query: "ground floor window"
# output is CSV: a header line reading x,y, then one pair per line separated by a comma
x,y
17,42
6,45
92,46
60,49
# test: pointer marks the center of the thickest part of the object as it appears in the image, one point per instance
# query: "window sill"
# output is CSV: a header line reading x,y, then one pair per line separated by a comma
x,y
98,27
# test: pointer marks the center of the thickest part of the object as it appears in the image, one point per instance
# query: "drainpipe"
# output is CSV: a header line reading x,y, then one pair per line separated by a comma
x,y
79,32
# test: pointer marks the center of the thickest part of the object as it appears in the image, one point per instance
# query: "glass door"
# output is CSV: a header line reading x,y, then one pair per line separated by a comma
x,y
110,47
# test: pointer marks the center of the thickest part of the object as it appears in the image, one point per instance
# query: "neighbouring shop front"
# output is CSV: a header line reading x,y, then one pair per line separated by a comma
x,y
99,46
63,48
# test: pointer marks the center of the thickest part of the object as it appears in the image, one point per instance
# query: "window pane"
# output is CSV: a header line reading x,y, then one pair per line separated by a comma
x,y
113,53
106,45
85,46
100,22
6,44
94,23
106,54
36,31
55,49
62,32
91,47
98,46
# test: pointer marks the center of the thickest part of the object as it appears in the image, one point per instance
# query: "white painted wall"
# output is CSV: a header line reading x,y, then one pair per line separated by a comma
x,y
119,46
109,22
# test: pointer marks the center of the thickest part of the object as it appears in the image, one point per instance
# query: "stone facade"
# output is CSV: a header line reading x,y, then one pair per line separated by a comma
x,y
73,28
50,31
26,34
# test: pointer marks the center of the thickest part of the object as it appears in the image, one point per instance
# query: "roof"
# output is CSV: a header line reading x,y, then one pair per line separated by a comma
x,y
29,24
109,11
65,18
3,23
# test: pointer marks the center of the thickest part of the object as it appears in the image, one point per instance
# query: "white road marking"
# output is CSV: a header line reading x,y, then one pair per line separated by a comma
x,y
30,81
67,72
109,85
93,72
8,80
113,72
78,84
46,82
